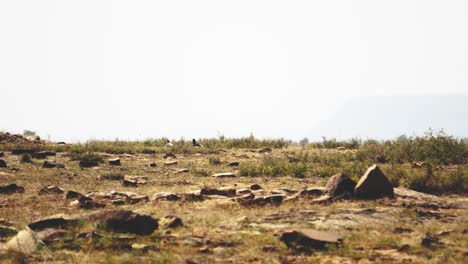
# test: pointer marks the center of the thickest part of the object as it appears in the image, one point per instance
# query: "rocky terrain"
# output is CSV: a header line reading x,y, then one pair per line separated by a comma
x,y
167,207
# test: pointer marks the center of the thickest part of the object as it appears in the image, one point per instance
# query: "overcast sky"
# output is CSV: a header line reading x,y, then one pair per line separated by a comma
x,y
76,70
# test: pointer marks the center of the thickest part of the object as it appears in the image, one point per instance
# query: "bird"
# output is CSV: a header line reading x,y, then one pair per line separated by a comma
x,y
195,143
169,144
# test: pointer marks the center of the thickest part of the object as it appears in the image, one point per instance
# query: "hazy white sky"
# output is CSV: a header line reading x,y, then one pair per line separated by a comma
x,y
76,70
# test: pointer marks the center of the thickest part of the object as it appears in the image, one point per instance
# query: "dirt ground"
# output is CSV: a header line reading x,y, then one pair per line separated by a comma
x,y
410,228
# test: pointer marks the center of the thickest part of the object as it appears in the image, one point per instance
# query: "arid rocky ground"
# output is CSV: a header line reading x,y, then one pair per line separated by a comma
x,y
206,219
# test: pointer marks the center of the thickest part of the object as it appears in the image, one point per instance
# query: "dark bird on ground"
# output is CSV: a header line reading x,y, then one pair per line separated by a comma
x,y
195,143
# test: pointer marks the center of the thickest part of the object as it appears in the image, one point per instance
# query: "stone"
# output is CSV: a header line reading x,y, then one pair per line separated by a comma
x,y
373,184
224,175
312,192
2,154
126,221
308,239
340,185
243,191
11,188
170,221
265,150
181,171
285,191
51,235
114,162
7,231
166,196
25,242
57,222
52,189
170,163
169,155
380,159
73,195
275,199
133,181
340,148
50,164
153,165
226,191
3,164
43,154
233,164
88,203
255,187
193,197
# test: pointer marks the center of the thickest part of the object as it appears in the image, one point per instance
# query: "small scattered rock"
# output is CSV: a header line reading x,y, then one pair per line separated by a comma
x,y
133,181
181,171
50,164
125,221
52,189
255,187
224,175
73,195
340,185
114,162
312,192
265,150
57,222
3,164
340,148
307,239
373,184
153,165
7,231
233,164
170,221
11,188
169,155
170,163
166,196
429,241
43,154
2,154
226,191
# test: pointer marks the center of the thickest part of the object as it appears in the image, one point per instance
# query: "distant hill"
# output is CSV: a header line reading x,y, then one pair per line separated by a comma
x,y
384,117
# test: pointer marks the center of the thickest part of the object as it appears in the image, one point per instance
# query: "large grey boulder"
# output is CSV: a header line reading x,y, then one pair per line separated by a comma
x,y
373,184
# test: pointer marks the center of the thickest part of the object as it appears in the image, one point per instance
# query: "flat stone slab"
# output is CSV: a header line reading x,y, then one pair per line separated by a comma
x,y
224,175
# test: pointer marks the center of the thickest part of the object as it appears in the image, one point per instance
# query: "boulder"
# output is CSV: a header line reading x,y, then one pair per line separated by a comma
x,y
308,239
224,175
125,221
25,242
114,162
52,189
50,164
373,184
3,164
133,181
11,188
226,191
88,203
340,185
